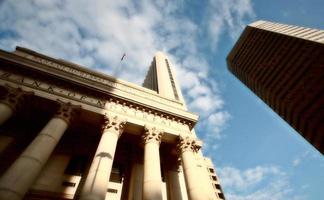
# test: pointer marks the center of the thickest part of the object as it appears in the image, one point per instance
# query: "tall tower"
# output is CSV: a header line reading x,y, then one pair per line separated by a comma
x,y
284,66
161,78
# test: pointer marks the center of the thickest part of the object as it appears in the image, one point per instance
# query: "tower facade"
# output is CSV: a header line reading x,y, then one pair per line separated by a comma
x,y
67,132
161,78
284,66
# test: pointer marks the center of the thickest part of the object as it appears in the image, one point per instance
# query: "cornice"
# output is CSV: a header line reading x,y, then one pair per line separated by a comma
x,y
27,53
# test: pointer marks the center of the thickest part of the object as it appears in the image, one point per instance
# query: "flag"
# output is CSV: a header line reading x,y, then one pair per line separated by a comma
x,y
122,58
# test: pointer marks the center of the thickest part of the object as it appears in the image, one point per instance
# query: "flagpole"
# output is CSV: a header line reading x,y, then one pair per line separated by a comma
x,y
116,70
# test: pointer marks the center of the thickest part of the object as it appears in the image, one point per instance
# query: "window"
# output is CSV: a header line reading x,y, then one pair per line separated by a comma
x,y
116,174
68,184
221,195
176,96
112,190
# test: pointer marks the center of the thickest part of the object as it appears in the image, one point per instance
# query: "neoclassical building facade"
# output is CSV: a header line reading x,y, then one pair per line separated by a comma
x,y
67,132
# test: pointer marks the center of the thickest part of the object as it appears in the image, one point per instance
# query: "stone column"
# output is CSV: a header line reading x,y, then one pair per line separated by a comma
x,y
152,183
187,147
136,182
136,175
10,102
52,174
173,180
95,187
16,181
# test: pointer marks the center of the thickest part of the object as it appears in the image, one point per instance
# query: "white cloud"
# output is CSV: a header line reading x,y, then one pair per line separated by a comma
x,y
296,162
240,180
229,16
258,183
305,156
218,118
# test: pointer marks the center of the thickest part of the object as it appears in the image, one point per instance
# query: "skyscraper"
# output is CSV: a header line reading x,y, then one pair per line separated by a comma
x,y
284,66
67,132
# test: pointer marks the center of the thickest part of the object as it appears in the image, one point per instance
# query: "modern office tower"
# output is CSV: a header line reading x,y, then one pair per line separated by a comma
x,y
284,66
67,132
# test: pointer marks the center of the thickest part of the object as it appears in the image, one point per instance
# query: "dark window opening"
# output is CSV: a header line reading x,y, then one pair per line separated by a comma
x,y
218,186
176,96
112,190
221,195
68,184
116,174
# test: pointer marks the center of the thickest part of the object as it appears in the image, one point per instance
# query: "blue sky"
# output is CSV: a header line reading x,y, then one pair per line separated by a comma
x,y
256,154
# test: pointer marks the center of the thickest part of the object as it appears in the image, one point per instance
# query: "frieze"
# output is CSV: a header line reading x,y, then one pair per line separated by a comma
x,y
124,109
104,81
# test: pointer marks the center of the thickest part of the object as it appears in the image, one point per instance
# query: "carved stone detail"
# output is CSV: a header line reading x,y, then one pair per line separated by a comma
x,y
114,124
187,143
15,97
113,104
152,134
67,111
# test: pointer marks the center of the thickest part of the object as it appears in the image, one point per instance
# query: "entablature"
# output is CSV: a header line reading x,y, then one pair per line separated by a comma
x,y
107,98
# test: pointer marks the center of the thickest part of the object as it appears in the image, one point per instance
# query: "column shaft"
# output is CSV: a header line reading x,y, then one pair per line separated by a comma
x,y
195,188
152,182
52,174
22,173
95,187
174,188
136,182
191,177
97,180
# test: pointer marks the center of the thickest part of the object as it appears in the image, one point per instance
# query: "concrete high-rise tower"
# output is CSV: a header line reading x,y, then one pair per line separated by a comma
x,y
284,66
161,78
67,132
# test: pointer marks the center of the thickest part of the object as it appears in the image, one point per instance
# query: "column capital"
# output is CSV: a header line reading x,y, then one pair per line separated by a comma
x,y
67,111
14,97
187,143
113,124
152,134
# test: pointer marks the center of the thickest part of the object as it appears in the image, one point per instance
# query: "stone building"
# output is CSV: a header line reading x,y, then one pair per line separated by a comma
x,y
67,132
284,66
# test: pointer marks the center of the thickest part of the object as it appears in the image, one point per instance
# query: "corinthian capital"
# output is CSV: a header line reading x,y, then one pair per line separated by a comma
x,y
114,124
14,97
187,143
152,134
66,111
